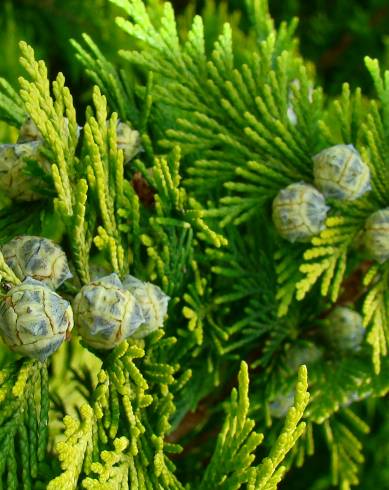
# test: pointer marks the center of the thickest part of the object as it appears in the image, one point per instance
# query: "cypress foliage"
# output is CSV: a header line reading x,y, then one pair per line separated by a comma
x,y
259,369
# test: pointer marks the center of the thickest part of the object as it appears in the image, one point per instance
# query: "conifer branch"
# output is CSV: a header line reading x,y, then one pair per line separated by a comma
x,y
270,472
55,117
24,419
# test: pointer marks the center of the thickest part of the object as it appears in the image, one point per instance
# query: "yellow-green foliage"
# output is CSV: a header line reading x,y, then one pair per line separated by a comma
x,y
225,123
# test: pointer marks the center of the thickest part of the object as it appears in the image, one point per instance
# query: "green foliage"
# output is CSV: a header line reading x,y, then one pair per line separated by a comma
x,y
270,473
24,406
236,442
113,83
337,43
205,91
228,115
119,441
10,104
